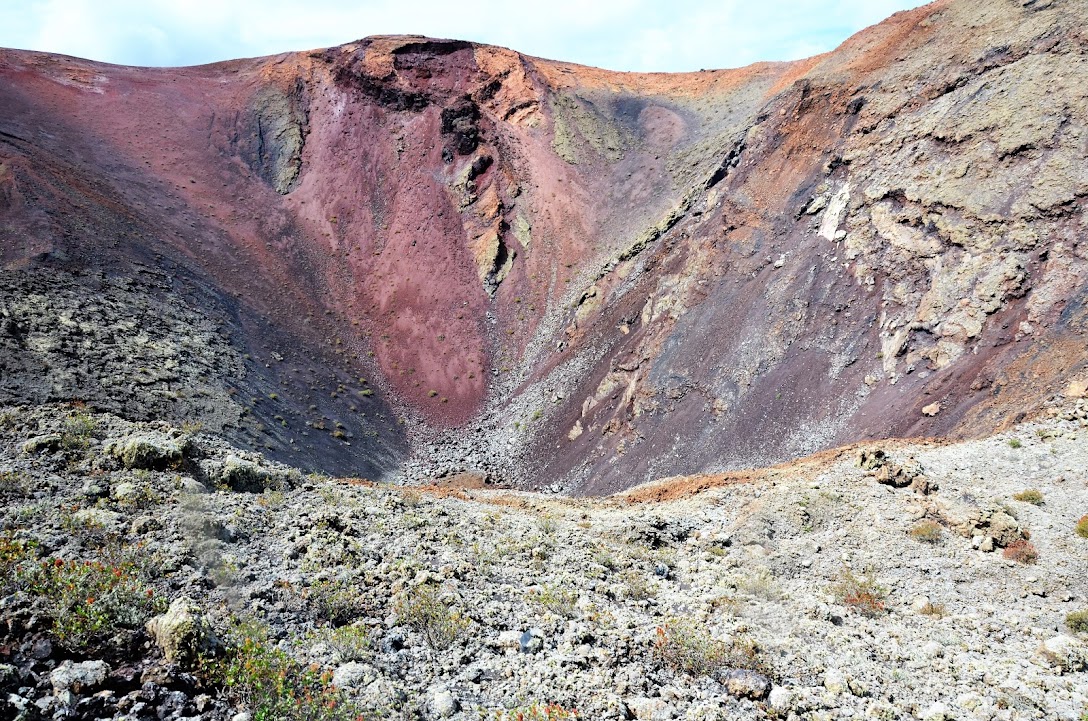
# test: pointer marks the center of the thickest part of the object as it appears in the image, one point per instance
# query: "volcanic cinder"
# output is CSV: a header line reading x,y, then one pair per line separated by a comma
x,y
411,256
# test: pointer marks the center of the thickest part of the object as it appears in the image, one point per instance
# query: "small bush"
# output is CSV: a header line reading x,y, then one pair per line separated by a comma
x,y
547,525
860,593
637,586
934,609
13,554
536,712
336,602
422,611
1030,495
89,602
272,685
686,647
271,499
1077,621
1015,443
760,583
1082,527
927,532
78,429
604,557
1021,551
559,601
351,643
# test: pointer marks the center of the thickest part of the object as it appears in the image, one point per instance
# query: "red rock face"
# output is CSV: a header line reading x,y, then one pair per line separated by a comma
x,y
553,273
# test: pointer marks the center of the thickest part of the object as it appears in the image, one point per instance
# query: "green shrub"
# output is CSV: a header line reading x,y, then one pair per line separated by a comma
x,y
1077,621
1082,527
860,593
336,602
559,601
14,553
1021,551
77,432
536,712
686,647
422,611
927,532
1030,495
352,643
89,602
1015,443
271,684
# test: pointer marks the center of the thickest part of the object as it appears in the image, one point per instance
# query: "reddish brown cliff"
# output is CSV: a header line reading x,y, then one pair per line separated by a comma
x,y
407,249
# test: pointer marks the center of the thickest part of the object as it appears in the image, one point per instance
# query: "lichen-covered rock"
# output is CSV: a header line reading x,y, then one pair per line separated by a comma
x,y
1066,652
444,704
352,675
743,683
37,444
241,474
153,451
993,523
182,633
78,677
99,518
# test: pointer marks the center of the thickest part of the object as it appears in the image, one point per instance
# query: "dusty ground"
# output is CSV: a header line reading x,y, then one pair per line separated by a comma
x,y
543,599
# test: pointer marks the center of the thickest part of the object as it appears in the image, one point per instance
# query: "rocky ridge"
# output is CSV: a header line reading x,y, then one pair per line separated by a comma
x,y
601,278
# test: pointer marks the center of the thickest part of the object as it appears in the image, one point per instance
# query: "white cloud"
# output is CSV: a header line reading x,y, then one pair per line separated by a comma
x,y
618,34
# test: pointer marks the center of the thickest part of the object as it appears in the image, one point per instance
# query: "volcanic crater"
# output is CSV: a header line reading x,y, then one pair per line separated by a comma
x,y
407,257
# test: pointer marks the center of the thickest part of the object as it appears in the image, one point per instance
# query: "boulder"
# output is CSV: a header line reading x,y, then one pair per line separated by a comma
x,y
835,681
48,442
780,698
742,683
182,633
650,709
78,678
152,451
1065,652
444,705
509,639
242,475
352,675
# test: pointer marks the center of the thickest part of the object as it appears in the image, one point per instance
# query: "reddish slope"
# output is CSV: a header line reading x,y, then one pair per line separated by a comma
x,y
628,275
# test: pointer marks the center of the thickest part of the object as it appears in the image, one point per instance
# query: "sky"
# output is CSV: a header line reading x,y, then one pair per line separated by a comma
x,y
640,35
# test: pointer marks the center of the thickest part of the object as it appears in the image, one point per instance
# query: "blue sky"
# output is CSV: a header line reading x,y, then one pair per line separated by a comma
x,y
646,35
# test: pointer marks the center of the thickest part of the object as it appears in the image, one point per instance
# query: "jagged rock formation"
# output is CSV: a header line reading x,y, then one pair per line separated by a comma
x,y
552,273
